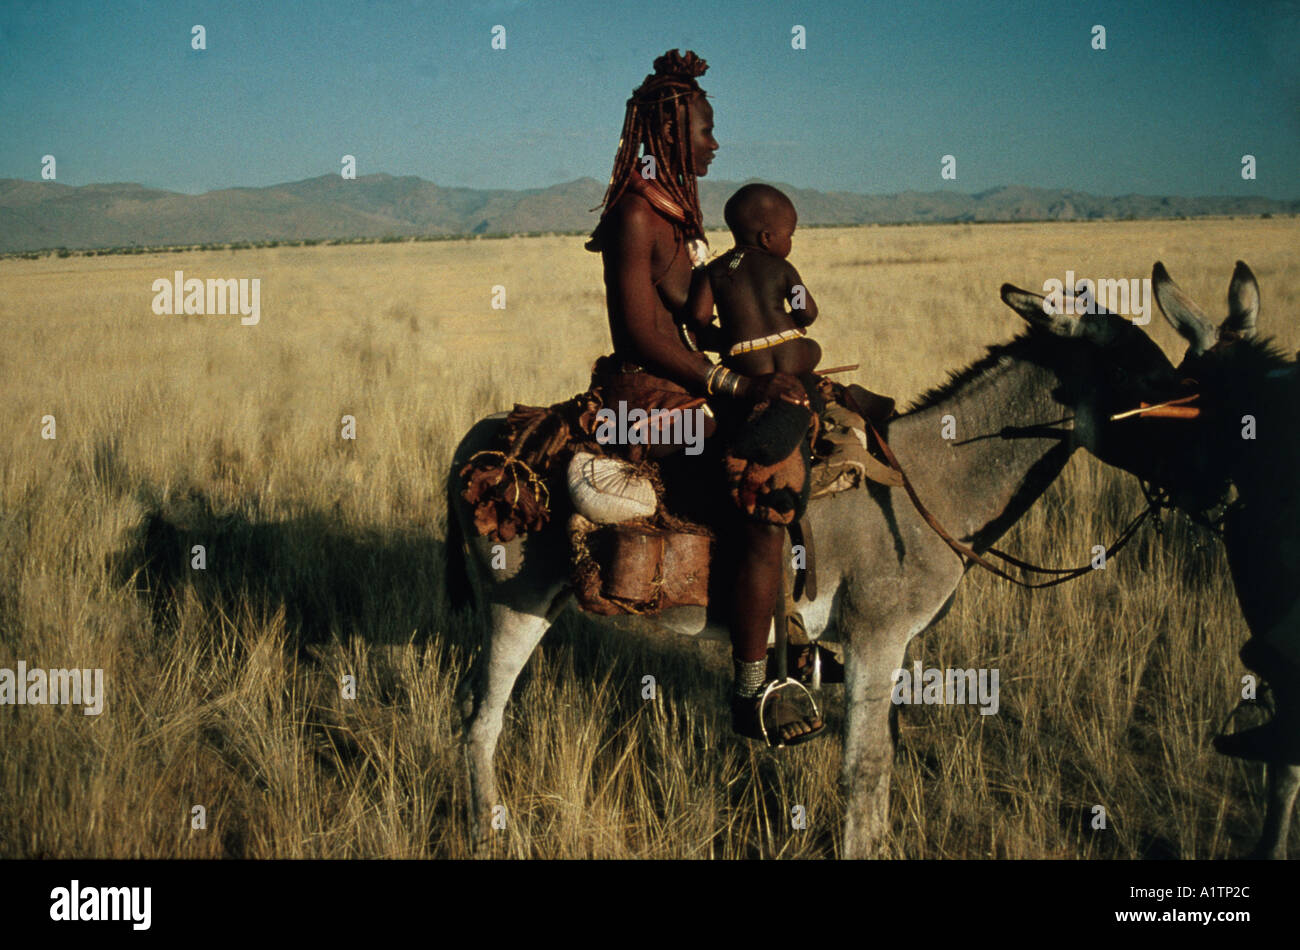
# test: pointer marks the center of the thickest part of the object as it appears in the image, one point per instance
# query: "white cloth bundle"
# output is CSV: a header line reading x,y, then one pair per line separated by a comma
x,y
604,490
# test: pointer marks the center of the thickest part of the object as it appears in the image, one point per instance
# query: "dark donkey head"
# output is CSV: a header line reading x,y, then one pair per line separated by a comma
x,y
1243,380
1106,365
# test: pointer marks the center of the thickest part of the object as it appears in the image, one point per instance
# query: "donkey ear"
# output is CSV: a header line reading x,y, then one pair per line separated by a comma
x,y
1038,310
1053,314
1181,312
1243,302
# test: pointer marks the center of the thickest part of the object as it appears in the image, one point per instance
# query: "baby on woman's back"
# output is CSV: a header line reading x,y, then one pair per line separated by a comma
x,y
751,285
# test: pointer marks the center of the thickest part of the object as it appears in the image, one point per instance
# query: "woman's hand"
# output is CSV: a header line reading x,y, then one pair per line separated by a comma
x,y
771,386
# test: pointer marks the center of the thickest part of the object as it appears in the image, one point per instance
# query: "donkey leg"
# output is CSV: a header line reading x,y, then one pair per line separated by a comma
x,y
510,640
868,749
1283,784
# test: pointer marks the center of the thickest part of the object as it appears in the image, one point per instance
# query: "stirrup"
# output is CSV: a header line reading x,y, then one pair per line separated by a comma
x,y
769,693
815,673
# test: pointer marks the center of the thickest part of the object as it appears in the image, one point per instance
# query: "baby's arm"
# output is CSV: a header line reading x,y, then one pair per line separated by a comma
x,y
699,313
803,309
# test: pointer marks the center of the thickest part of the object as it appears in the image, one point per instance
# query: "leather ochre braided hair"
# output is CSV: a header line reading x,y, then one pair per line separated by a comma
x,y
654,112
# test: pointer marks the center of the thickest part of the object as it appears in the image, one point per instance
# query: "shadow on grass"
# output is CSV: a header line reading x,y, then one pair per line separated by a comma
x,y
338,582
332,579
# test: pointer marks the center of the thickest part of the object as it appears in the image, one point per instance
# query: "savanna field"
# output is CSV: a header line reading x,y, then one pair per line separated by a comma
x,y
325,558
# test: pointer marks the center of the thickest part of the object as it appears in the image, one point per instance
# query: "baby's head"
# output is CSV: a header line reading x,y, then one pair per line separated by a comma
x,y
761,216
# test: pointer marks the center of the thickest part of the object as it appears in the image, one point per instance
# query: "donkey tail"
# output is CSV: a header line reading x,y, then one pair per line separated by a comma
x,y
459,588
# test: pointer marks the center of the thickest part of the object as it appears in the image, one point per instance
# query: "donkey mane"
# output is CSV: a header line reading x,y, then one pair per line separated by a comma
x,y
1241,374
1255,356
1030,344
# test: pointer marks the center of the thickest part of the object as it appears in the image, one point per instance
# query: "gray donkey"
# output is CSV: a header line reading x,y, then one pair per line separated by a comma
x,y
1250,395
884,575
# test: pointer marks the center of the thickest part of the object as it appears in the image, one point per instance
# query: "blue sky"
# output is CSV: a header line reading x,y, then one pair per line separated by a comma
x,y
883,90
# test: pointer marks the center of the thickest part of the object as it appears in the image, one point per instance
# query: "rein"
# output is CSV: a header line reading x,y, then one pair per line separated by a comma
x,y
966,553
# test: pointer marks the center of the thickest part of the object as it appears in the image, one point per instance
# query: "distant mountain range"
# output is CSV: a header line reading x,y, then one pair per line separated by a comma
x,y
39,214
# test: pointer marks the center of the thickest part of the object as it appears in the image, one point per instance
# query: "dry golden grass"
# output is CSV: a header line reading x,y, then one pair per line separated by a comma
x,y
325,558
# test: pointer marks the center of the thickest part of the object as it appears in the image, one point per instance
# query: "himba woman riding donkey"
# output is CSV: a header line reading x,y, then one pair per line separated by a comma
x,y
886,574
651,238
